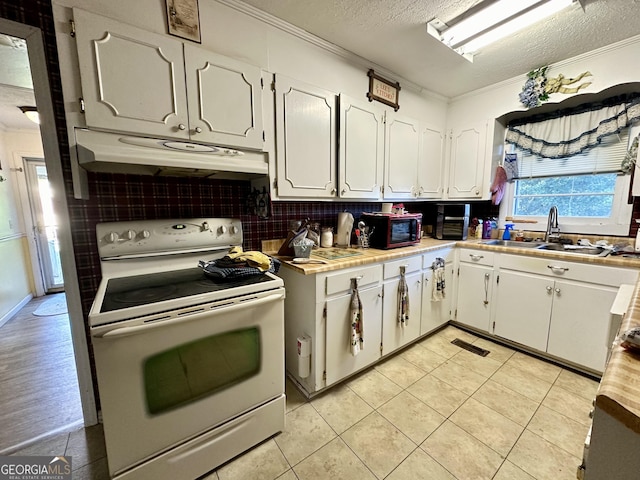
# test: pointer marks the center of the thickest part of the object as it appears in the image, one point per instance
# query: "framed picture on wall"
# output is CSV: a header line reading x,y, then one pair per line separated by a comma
x,y
183,19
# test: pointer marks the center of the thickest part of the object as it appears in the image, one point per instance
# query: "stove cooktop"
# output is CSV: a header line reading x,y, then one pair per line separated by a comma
x,y
139,290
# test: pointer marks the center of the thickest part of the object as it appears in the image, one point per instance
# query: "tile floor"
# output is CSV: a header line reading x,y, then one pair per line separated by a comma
x,y
433,411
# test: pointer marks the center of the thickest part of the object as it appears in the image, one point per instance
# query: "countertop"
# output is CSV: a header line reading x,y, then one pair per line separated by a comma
x,y
619,391
372,255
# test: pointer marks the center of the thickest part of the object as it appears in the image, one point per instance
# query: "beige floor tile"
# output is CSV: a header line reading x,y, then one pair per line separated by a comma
x,y
293,396
419,465
578,384
521,382
459,377
97,470
288,475
380,445
508,471
503,400
411,416
400,371
487,425
559,430
484,366
305,432
86,445
264,462
535,367
466,457
210,476
569,404
450,332
334,461
423,358
439,395
441,345
497,352
543,460
341,408
374,388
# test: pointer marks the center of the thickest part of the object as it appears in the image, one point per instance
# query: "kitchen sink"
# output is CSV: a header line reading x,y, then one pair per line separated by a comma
x,y
513,243
555,247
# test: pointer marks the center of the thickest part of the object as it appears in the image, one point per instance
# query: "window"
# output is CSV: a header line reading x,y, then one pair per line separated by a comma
x,y
588,190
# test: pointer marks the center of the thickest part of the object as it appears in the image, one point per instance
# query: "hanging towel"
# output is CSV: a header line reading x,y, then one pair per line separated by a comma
x,y
437,284
357,331
403,300
498,186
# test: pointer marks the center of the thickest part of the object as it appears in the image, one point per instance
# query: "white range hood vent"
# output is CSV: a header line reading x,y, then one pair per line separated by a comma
x,y
123,153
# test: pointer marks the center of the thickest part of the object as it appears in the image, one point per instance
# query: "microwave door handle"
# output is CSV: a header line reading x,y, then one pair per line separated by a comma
x,y
126,331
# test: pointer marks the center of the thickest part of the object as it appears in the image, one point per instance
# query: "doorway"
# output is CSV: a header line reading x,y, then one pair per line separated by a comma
x,y
45,226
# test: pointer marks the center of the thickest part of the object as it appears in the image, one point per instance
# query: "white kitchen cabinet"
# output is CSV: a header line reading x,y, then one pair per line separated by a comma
x,y
340,361
305,140
394,334
475,288
145,83
522,309
402,157
467,161
431,163
361,151
436,313
580,323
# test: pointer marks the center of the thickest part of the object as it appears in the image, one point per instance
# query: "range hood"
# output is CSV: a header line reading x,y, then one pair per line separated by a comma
x,y
123,153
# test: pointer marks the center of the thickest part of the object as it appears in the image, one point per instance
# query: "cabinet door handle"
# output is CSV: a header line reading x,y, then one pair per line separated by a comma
x,y
197,130
557,269
549,289
476,258
182,126
333,191
343,191
557,291
486,288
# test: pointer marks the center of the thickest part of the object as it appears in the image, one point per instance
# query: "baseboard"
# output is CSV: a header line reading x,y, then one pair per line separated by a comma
x,y
14,311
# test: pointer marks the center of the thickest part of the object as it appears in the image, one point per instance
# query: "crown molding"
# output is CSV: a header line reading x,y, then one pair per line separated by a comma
x,y
353,58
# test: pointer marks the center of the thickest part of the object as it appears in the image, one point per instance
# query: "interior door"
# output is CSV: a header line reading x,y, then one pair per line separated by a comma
x,y
45,228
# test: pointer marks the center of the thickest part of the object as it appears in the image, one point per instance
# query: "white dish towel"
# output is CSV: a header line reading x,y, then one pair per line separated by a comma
x,y
357,330
437,281
403,300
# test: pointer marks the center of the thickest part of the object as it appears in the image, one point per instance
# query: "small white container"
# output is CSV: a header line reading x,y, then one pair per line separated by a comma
x,y
326,238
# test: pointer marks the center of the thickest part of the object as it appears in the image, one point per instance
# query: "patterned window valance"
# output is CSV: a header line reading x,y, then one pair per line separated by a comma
x,y
571,133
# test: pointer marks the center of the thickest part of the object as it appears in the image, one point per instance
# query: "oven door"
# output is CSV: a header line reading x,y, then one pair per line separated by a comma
x,y
178,374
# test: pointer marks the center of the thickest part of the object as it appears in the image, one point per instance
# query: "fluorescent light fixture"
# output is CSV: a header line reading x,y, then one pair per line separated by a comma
x,y
492,20
31,113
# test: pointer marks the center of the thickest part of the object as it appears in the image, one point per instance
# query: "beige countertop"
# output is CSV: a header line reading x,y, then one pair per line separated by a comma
x,y
619,391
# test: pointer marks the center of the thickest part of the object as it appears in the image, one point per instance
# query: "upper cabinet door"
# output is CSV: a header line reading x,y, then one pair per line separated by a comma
x,y
305,140
468,158
361,151
132,80
430,174
402,149
225,99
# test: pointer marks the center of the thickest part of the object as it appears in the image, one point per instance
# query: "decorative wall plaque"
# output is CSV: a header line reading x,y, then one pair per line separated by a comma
x,y
184,19
383,90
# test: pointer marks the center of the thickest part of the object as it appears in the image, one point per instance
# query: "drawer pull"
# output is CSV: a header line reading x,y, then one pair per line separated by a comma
x,y
557,269
476,258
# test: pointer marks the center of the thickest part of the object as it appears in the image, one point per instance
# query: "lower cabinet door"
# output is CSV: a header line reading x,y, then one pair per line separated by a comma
x,y
394,334
340,362
475,285
435,313
579,323
523,308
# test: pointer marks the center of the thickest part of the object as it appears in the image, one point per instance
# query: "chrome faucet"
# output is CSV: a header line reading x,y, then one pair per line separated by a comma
x,y
553,231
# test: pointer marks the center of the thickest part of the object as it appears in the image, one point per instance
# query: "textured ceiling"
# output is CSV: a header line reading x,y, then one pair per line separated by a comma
x,y
16,87
392,33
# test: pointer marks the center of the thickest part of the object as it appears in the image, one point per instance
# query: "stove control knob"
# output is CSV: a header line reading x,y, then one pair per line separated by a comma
x,y
222,229
145,234
129,234
112,237
205,227
234,230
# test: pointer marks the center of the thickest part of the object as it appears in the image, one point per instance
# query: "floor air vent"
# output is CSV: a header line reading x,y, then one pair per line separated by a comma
x,y
472,348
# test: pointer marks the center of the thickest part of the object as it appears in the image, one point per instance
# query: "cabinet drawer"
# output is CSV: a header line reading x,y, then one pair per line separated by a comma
x,y
429,258
583,272
341,282
412,264
479,257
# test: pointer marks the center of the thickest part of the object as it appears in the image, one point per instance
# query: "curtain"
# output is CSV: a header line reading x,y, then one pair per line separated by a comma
x,y
566,135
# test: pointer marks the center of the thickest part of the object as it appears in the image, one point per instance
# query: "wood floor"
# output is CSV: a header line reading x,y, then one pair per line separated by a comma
x,y
39,393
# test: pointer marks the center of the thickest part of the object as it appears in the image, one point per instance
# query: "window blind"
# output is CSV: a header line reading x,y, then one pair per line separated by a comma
x,y
606,157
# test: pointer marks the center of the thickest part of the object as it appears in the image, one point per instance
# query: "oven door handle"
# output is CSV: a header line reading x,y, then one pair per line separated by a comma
x,y
126,331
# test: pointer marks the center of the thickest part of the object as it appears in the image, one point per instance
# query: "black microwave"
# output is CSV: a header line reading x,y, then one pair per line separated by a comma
x,y
393,230
452,221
